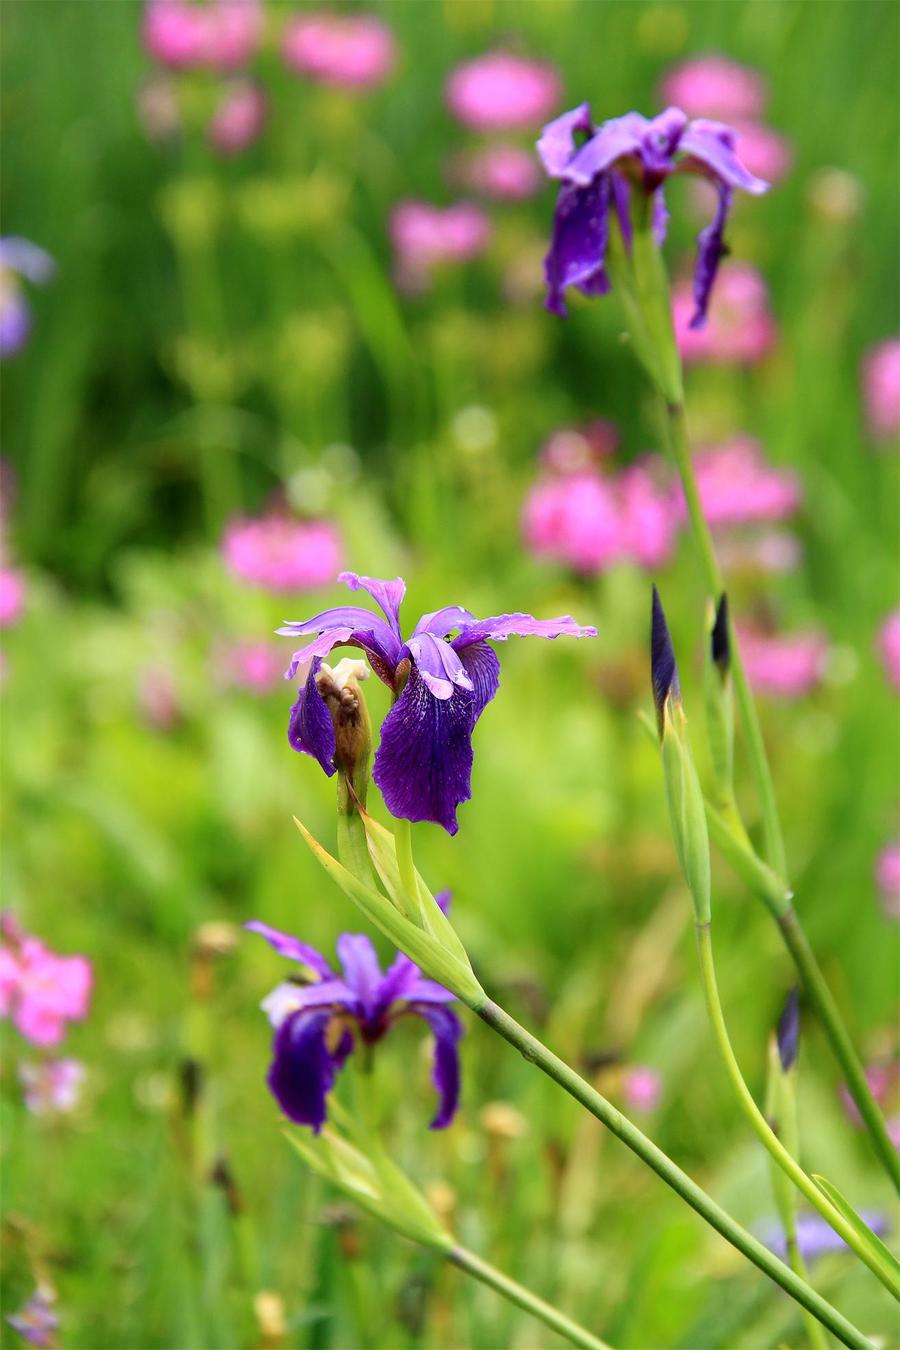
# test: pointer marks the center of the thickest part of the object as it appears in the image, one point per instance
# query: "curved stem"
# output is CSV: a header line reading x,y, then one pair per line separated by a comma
x,y
537,1053
766,1135
524,1298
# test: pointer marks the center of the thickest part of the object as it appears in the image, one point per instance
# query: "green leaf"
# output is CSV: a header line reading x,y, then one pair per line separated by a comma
x,y
878,1249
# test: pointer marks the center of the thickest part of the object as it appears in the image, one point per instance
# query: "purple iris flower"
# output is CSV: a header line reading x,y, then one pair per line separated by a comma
x,y
441,685
816,1237
19,258
631,154
316,1022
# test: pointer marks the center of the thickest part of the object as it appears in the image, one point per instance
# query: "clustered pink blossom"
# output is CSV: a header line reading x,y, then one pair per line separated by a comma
x,y
884,1085
889,647
219,35
499,91
500,171
348,51
887,879
881,388
12,596
425,236
740,328
738,487
39,990
281,553
589,521
642,1088
783,666
255,666
714,86
567,451
239,118
52,1087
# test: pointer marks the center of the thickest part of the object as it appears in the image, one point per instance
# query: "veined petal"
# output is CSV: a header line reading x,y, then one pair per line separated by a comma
x,y
447,1030
288,998
439,665
443,621
319,647
361,969
386,593
557,143
295,950
483,668
711,145
304,1069
711,249
503,626
310,727
578,245
424,762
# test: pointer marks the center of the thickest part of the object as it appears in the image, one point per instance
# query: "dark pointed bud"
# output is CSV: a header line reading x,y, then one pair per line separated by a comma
x,y
788,1030
663,670
720,642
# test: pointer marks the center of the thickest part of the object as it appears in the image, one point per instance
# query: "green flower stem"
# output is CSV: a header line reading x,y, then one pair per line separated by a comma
x,y
533,1050
826,1010
516,1293
805,1184
814,1333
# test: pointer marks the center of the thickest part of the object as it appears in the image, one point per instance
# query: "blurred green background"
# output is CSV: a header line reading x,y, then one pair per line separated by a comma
x,y
222,333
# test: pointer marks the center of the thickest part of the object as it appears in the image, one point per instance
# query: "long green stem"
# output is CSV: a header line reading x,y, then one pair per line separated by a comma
x,y
537,1053
516,1293
814,1333
805,1184
794,937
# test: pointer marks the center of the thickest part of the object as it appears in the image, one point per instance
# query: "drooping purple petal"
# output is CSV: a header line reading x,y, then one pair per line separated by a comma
x,y
578,245
443,621
288,998
483,668
292,948
386,593
439,665
711,249
711,145
303,1069
310,726
447,1030
361,969
557,143
503,626
424,762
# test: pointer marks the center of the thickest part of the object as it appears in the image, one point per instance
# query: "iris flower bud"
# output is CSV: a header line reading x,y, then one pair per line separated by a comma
x,y
719,701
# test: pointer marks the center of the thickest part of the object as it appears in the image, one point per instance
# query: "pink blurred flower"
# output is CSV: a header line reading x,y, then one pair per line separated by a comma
x,y
12,596
283,554
642,1088
502,92
884,1085
568,451
256,666
740,328
784,667
649,523
425,236
42,991
350,51
52,1087
763,151
222,34
157,697
157,108
738,487
574,520
887,879
889,647
239,118
881,388
714,86
502,172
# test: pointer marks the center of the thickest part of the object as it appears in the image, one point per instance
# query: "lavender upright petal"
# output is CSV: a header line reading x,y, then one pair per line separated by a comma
x,y
310,726
424,763
287,945
387,593
304,1069
361,969
557,144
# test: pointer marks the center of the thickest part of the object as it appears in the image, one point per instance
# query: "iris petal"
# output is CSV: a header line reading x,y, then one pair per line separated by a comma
x,y
445,1074
304,1069
578,244
310,727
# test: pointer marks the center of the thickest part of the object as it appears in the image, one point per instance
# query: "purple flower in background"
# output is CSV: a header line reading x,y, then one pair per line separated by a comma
x,y
441,687
625,155
52,1087
816,1237
317,1020
36,1321
19,258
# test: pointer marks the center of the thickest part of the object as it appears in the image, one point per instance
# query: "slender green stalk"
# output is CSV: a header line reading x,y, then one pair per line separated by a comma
x,y
805,1184
524,1298
827,1012
537,1053
786,917
406,865
814,1333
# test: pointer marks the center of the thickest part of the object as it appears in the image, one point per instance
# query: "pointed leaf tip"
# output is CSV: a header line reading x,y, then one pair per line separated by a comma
x,y
719,640
663,670
788,1030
